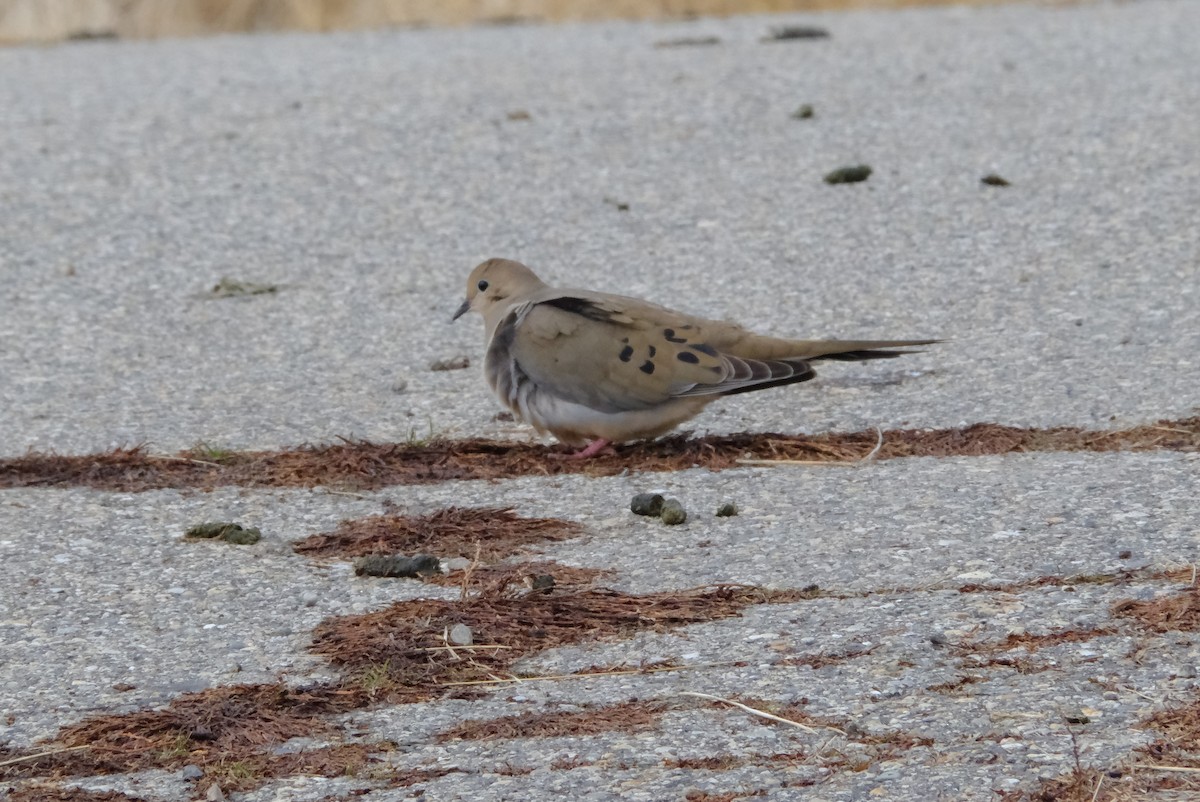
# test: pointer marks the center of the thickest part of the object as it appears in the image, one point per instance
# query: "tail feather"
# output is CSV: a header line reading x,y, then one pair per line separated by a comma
x,y
788,362
754,374
867,353
753,362
755,346
784,371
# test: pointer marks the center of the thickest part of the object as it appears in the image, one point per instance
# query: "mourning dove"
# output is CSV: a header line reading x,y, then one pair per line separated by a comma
x,y
589,366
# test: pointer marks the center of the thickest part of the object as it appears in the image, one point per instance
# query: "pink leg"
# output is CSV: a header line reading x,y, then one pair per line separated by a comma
x,y
593,448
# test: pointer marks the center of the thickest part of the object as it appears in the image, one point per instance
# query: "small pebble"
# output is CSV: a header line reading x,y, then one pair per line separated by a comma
x,y
993,180
460,635
672,512
805,112
455,564
191,772
646,504
727,510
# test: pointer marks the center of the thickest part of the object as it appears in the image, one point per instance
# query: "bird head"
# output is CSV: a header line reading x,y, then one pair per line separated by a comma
x,y
493,284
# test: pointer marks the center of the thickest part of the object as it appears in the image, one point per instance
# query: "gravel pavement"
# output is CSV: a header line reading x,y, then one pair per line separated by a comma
x,y
363,175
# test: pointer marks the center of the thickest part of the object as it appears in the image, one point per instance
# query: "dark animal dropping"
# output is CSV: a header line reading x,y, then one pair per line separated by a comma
x,y
849,175
647,504
395,565
233,533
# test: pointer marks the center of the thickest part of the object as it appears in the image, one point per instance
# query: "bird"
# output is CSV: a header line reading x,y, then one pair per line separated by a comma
x,y
593,369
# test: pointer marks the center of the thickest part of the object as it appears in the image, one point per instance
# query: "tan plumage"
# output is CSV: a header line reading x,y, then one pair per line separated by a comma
x,y
589,366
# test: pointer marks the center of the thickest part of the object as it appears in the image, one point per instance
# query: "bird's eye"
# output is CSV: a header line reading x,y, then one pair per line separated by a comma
x,y
482,285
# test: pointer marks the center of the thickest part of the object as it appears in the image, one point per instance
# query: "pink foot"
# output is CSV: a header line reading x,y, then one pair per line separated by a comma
x,y
593,448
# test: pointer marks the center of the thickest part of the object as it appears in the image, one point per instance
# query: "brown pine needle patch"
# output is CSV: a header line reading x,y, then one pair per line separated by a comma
x,y
452,532
341,760
1167,768
1178,745
356,465
1028,642
1033,643
399,641
210,729
1174,612
629,717
396,655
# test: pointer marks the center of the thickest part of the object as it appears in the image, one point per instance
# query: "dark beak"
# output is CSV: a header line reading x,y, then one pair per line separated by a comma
x,y
462,310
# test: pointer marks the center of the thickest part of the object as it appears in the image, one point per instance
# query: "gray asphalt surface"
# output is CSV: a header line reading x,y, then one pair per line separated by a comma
x,y
367,173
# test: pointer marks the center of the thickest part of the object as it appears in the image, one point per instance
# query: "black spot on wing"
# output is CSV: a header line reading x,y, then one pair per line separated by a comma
x,y
671,338
652,351
580,306
626,353
689,357
647,367
704,348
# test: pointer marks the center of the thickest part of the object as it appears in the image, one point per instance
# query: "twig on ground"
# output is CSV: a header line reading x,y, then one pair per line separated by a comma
x,y
49,753
751,710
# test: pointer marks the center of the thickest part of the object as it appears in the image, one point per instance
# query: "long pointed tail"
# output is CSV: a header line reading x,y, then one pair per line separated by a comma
x,y
858,350
755,346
